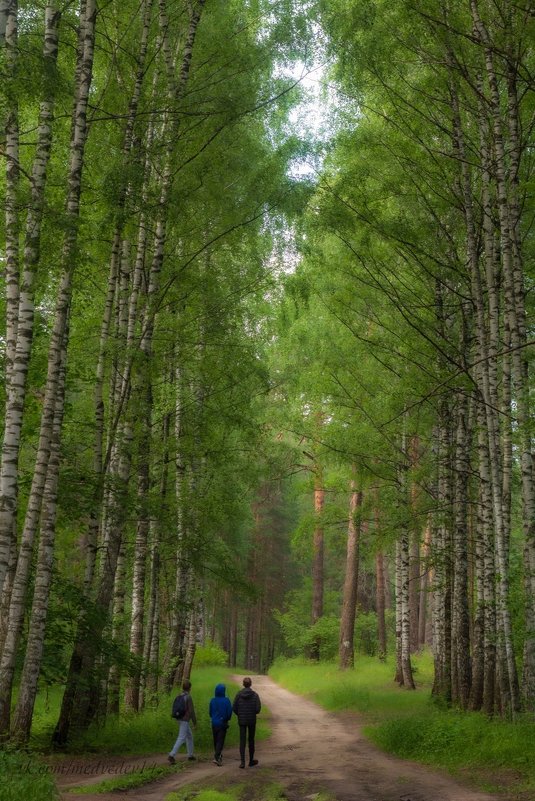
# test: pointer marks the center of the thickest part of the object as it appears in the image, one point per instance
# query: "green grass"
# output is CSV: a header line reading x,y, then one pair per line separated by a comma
x,y
368,689
134,779
499,752
23,778
151,731
493,752
252,791
206,795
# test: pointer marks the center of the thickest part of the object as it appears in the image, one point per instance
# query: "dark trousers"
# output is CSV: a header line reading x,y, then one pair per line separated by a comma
x,y
250,729
219,732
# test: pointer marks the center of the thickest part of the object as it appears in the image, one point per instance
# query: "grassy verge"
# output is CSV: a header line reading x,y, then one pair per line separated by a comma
x,y
24,779
496,754
369,689
129,782
256,791
261,788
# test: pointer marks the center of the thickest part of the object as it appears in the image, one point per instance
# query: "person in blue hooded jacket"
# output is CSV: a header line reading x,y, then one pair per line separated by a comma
x,y
220,714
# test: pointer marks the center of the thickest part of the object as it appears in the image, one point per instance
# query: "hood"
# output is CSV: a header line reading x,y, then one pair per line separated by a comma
x,y
220,691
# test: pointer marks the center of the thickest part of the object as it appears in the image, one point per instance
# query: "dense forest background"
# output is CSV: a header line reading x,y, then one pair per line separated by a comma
x,y
267,346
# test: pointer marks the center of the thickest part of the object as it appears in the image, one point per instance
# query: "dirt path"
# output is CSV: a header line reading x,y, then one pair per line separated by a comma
x,y
310,750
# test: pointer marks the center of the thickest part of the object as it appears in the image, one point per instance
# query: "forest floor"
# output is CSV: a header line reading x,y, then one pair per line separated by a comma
x,y
311,753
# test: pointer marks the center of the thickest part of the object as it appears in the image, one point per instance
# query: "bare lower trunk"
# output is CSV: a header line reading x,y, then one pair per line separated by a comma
x,y
406,666
117,634
191,642
28,686
318,557
398,582
149,685
380,605
233,645
346,652
460,630
425,568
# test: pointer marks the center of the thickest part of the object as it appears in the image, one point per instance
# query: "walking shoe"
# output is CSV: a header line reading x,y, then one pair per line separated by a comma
x,y
253,762
242,764
192,758
215,761
171,760
220,760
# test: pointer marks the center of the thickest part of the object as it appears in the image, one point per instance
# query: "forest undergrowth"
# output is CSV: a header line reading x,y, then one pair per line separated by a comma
x,y
496,754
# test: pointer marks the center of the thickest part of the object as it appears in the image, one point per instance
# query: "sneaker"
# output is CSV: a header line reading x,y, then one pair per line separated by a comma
x,y
171,760
253,762
192,758
215,761
220,760
242,764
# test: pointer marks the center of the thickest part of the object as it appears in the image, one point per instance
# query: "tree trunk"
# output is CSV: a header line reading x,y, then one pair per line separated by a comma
x,y
398,579
318,556
23,715
19,338
380,605
424,587
406,667
55,372
346,652
461,670
117,633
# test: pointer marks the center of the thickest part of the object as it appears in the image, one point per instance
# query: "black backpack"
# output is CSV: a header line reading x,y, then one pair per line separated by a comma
x,y
179,707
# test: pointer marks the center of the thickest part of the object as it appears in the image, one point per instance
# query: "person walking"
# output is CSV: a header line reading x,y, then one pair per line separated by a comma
x,y
220,710
246,707
184,712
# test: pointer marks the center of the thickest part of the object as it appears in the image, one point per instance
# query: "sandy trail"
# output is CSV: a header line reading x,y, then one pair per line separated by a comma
x,y
310,750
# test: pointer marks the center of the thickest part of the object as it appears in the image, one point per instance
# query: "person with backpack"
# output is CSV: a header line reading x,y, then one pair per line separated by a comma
x,y
246,707
220,710
183,711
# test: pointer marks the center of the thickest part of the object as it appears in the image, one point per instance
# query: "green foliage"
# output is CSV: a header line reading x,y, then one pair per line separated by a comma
x,y
128,782
369,688
23,776
456,740
299,637
260,791
366,631
325,633
209,655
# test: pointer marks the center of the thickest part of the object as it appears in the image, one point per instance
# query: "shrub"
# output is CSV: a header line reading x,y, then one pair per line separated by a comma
x,y
210,654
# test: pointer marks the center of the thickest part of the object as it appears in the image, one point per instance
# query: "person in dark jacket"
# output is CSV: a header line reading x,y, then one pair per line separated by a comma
x,y
220,713
246,707
185,735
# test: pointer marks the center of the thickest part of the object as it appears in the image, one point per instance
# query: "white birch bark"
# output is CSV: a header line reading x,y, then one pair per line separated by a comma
x,y
117,630
515,310
25,311
76,708
398,613
53,380
28,686
11,209
55,372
